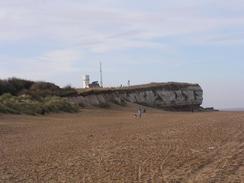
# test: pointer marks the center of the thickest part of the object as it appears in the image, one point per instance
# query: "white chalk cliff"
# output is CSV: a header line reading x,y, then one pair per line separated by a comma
x,y
168,96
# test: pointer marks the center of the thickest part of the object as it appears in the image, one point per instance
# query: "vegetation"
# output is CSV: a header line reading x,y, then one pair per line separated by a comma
x,y
14,86
18,96
18,87
27,105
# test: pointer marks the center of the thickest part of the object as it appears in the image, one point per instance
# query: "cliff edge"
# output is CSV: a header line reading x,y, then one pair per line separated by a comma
x,y
168,96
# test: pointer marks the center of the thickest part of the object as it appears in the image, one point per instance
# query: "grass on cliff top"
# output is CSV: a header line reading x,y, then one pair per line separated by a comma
x,y
166,86
18,87
10,104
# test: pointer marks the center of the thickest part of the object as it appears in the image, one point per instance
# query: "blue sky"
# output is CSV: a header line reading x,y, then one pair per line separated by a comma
x,y
144,41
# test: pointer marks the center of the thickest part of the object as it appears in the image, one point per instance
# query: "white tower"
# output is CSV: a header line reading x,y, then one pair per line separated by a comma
x,y
86,81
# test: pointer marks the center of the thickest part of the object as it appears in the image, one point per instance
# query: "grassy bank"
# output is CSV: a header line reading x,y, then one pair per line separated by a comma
x,y
18,96
18,87
26,104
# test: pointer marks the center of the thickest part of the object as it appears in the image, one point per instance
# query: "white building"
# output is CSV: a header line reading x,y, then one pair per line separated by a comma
x,y
86,81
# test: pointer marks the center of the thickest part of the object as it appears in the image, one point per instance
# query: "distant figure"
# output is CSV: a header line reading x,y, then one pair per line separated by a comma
x,y
139,113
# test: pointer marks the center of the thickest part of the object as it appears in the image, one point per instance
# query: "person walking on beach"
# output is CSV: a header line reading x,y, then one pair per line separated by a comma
x,y
139,112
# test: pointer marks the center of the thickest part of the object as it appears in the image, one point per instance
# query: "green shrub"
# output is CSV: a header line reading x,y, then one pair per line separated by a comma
x,y
27,105
43,89
58,104
14,86
37,90
67,92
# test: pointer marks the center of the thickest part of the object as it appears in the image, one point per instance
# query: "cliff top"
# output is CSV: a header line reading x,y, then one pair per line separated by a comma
x,y
167,86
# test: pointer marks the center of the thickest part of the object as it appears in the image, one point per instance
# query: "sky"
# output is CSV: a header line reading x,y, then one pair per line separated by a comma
x,y
142,41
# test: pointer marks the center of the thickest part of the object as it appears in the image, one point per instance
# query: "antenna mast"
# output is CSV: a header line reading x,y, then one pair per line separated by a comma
x,y
101,75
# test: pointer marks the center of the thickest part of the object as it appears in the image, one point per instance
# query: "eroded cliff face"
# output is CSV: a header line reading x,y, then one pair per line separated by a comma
x,y
168,96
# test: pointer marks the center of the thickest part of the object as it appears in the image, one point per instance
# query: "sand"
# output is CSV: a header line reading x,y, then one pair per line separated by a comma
x,y
112,146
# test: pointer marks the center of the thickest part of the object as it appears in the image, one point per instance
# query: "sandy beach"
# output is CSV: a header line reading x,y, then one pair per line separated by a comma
x,y
111,145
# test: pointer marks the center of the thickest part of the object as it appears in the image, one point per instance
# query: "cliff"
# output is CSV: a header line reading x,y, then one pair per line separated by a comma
x,y
168,96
